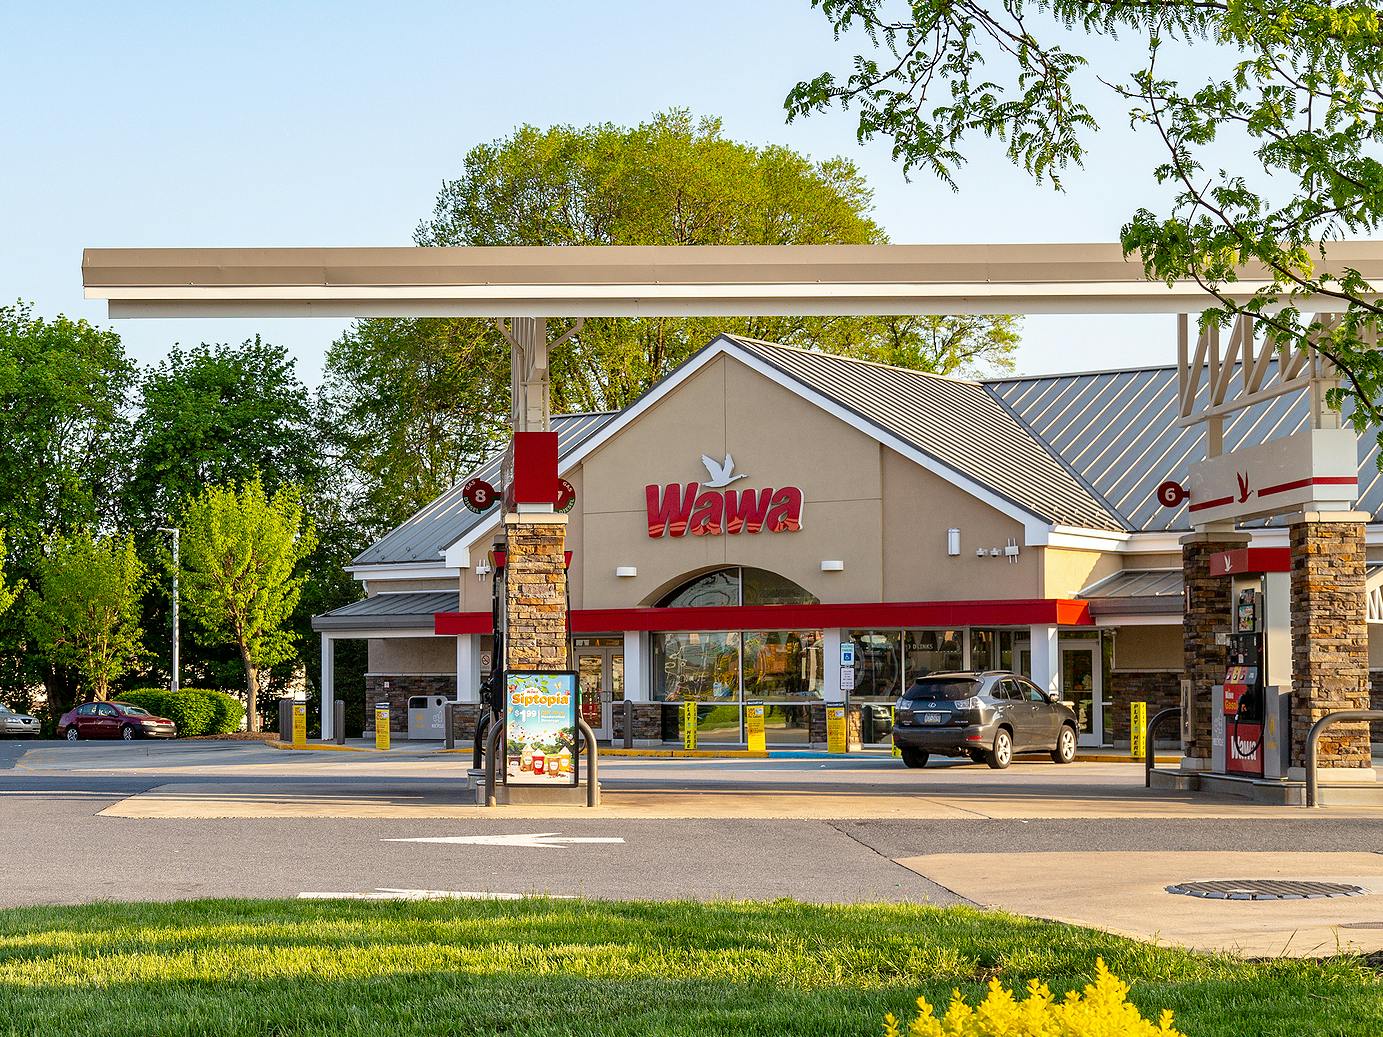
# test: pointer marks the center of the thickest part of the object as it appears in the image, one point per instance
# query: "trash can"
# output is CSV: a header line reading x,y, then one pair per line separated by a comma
x,y
427,716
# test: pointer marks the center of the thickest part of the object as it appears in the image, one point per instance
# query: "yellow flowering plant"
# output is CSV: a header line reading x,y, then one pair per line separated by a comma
x,y
1102,1010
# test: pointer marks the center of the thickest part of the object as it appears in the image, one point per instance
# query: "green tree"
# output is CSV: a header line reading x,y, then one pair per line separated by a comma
x,y
86,611
63,390
419,401
219,413
241,549
1270,151
8,592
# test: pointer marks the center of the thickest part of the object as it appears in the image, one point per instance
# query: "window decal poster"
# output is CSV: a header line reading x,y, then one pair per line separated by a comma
x,y
540,728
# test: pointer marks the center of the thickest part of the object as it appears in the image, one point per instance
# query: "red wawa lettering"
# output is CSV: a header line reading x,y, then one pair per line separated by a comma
x,y
676,510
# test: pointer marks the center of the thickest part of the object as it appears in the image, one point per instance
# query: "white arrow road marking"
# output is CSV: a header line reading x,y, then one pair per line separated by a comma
x,y
540,840
384,893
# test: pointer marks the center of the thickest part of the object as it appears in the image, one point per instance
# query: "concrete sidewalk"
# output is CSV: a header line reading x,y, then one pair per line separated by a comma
x,y
1126,893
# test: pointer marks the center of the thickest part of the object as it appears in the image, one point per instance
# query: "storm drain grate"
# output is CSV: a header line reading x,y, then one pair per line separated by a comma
x,y
1265,889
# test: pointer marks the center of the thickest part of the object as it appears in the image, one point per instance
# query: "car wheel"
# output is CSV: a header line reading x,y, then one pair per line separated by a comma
x,y
1002,754
1065,751
915,758
978,755
127,733
71,734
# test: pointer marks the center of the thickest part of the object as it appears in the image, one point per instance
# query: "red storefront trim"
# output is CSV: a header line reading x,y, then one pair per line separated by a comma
x,y
876,615
1251,560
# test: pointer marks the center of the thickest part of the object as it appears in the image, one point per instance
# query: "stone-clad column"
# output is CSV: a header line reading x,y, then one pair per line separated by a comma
x,y
535,592
1330,653
1207,613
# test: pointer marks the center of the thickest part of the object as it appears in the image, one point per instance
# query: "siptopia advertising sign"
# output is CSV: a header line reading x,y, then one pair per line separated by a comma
x,y
540,728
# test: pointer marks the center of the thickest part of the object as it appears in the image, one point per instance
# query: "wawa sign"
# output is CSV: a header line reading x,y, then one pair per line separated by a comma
x,y
1312,470
712,508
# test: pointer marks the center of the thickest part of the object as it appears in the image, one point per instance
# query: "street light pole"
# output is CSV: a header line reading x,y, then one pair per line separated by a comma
x,y
176,568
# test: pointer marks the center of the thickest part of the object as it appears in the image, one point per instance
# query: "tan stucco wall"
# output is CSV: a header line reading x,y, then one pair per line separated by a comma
x,y
1149,648
401,655
777,440
918,509
1375,646
1066,572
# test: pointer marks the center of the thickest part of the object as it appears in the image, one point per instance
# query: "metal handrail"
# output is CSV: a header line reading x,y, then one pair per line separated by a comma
x,y
1149,751
1313,738
482,726
491,754
593,763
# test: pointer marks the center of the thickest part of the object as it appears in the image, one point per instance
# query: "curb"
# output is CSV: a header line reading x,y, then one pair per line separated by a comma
x,y
319,747
690,754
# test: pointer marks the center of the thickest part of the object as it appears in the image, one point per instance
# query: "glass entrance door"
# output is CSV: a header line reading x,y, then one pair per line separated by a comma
x,y
1081,690
600,675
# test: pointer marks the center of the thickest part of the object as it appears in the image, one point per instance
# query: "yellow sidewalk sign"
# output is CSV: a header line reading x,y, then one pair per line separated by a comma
x,y
381,725
300,725
835,729
754,725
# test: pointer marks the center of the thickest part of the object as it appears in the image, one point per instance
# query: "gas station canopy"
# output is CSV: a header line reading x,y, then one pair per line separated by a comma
x,y
652,281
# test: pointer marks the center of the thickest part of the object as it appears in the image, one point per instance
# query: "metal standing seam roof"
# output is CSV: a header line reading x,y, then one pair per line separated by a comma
x,y
960,423
1117,432
413,609
1133,591
428,532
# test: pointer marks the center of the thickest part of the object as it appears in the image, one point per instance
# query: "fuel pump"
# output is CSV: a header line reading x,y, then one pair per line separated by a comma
x,y
1242,692
1250,720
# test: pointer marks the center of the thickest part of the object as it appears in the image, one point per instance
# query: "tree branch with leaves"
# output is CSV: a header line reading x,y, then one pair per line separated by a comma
x,y
1271,154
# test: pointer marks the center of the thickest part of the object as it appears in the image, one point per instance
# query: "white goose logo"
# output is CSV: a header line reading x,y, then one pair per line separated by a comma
x,y
721,474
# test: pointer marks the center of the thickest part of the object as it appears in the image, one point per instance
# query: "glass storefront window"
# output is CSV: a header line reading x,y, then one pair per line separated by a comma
x,y
878,664
721,587
761,587
992,649
931,651
697,666
782,664
738,585
787,724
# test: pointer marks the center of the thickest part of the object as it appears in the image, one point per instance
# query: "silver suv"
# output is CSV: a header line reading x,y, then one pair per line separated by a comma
x,y
986,716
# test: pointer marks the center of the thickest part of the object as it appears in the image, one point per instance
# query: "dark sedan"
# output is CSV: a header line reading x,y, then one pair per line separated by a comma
x,y
986,716
113,720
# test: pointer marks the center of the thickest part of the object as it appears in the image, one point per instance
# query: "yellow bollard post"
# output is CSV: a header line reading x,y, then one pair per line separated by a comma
x,y
381,725
835,729
300,725
894,751
754,729
1138,730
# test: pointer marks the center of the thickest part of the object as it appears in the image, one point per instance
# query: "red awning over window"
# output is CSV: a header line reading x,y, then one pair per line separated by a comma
x,y
869,616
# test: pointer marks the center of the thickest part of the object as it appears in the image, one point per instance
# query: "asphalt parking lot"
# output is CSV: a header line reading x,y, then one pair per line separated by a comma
x,y
68,838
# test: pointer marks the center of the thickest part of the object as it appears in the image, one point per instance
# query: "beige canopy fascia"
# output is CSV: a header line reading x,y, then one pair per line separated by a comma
x,y
648,281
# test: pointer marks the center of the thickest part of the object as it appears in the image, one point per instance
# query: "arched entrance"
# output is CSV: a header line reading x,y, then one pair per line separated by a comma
x,y
723,670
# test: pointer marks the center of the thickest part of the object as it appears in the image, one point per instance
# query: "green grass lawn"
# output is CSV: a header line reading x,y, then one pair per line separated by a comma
x,y
558,967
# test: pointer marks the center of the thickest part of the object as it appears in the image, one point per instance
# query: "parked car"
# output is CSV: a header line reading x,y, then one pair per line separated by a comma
x,y
987,716
113,720
21,724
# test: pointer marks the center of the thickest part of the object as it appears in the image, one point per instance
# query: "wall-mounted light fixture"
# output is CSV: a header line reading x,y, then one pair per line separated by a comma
x,y
953,541
626,570
832,566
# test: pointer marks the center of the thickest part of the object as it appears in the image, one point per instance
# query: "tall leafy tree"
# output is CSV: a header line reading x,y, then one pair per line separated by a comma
x,y
86,609
8,591
419,401
218,413
1270,147
242,550
63,427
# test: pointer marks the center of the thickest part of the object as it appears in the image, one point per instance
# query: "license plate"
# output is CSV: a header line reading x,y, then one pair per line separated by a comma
x,y
933,718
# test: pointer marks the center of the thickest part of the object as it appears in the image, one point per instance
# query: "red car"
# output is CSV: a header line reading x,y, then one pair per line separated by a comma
x,y
113,720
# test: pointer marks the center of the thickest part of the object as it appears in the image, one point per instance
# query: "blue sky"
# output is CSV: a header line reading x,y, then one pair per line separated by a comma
x,y
335,123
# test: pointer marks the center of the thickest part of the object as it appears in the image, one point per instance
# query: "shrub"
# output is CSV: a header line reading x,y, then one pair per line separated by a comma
x,y
196,711
1103,1011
